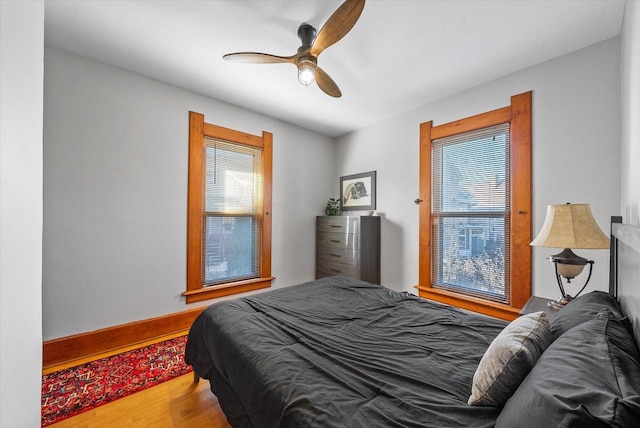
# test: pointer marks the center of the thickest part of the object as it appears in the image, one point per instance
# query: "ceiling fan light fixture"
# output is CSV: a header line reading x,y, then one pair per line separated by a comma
x,y
306,72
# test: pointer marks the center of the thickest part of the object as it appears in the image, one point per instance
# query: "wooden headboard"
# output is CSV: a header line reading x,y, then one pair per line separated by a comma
x,y
624,276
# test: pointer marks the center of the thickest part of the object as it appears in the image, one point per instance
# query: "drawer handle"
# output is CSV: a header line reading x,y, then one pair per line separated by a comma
x,y
335,255
336,225
335,240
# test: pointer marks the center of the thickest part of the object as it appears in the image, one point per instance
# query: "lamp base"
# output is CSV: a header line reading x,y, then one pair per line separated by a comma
x,y
559,303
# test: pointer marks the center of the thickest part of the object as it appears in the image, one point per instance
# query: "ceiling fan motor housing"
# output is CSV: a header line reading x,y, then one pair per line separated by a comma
x,y
306,34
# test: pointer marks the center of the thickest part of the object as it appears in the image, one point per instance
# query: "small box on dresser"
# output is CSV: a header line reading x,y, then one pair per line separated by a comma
x,y
349,246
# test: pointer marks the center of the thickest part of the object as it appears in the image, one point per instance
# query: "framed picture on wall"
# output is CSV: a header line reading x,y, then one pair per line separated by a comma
x,y
358,192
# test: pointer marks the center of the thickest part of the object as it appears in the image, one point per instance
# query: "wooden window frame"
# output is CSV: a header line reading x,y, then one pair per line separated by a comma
x,y
519,115
198,130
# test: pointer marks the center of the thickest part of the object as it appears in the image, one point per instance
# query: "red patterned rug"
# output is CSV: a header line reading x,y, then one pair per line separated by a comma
x,y
66,393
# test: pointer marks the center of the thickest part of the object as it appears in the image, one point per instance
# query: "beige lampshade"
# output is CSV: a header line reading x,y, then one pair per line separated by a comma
x,y
570,226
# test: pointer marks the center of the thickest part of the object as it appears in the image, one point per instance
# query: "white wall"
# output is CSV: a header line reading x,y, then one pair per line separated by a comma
x,y
21,75
115,193
116,161
631,113
576,155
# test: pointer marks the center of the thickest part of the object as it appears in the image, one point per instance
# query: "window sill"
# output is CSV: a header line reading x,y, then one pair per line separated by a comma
x,y
475,304
207,293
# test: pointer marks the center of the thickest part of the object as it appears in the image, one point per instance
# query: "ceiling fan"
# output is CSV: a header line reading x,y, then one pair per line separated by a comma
x,y
306,59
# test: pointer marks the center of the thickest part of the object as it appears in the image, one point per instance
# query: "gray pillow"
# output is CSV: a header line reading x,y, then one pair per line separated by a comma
x,y
581,309
589,377
509,358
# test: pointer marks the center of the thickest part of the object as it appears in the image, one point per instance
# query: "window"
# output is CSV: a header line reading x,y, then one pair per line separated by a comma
x,y
475,223
470,233
229,223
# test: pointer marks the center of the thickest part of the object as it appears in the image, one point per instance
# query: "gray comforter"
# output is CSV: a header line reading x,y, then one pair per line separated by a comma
x,y
339,352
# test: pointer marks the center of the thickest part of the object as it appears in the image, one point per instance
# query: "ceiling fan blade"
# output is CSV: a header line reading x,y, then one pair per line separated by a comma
x,y
338,25
327,84
257,58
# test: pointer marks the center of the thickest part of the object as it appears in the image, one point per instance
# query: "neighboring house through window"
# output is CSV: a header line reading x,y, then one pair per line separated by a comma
x,y
229,211
475,222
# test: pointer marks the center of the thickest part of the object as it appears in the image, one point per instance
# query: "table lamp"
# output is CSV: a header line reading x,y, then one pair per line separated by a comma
x,y
570,226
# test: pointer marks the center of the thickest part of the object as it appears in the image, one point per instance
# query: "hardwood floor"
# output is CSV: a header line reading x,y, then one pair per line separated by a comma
x,y
176,403
179,403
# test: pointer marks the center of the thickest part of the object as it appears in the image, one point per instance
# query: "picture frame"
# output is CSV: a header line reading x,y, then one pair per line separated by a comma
x,y
358,192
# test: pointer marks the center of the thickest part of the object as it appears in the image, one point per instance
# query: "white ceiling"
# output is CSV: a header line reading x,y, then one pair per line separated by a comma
x,y
400,55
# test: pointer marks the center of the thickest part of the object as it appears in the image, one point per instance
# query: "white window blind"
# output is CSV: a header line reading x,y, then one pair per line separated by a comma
x,y
232,212
470,205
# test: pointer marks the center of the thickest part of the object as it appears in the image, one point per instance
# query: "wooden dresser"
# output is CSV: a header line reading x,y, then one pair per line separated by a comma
x,y
349,246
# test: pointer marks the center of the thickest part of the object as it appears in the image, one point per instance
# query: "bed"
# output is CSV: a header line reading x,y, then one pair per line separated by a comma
x,y
339,352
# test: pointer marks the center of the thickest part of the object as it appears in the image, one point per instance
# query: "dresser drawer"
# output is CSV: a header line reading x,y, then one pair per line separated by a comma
x,y
328,269
338,255
338,224
337,240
